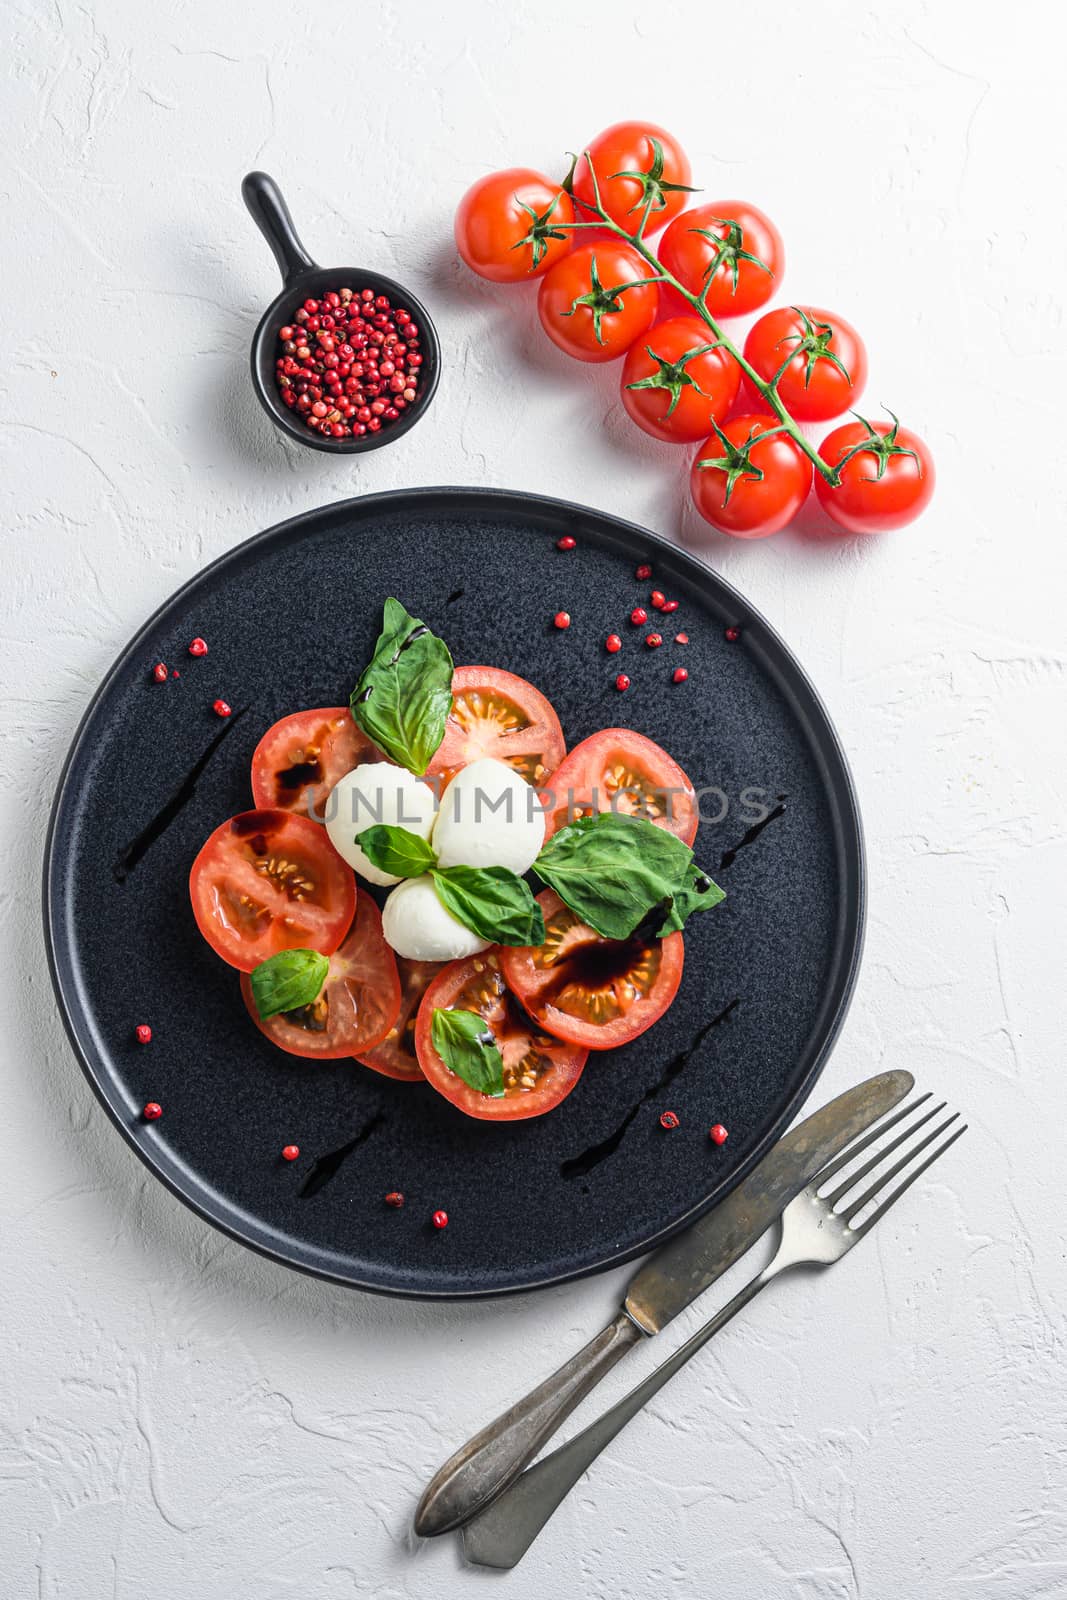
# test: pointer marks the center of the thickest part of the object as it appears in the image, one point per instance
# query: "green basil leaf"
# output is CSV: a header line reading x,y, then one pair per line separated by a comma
x,y
493,902
466,1045
404,695
698,893
396,850
287,981
612,869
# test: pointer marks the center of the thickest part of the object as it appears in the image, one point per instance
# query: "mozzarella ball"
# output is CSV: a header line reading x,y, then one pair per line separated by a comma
x,y
489,817
376,792
418,926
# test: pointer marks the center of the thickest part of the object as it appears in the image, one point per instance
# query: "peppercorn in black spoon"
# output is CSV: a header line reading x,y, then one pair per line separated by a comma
x,y
303,279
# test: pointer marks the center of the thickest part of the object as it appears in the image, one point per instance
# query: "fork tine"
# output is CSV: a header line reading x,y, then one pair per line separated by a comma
x,y
854,1149
898,1166
892,1199
878,1157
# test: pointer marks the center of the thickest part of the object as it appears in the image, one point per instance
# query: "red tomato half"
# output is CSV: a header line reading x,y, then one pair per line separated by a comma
x,y
507,225
359,1002
539,1071
498,714
628,148
886,481
300,758
587,305
395,1057
588,990
750,501
267,881
827,370
673,393
618,769
738,232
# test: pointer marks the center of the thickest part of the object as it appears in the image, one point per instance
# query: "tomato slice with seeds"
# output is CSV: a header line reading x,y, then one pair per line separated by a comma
x,y
395,1057
267,881
495,713
359,1002
618,769
299,759
588,990
539,1071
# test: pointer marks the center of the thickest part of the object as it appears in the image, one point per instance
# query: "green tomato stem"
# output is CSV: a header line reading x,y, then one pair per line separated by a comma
x,y
768,391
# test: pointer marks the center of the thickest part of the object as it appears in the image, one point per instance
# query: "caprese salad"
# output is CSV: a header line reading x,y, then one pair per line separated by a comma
x,y
443,791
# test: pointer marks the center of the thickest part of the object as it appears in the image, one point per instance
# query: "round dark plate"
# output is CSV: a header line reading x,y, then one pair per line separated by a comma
x,y
291,617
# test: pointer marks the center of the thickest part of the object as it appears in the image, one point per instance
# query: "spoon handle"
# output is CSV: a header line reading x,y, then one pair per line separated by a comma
x,y
271,215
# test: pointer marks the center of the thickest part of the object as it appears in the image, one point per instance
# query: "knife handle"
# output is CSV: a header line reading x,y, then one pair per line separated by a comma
x,y
486,1464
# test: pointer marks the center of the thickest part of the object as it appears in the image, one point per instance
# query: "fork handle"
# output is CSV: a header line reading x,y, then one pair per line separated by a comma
x,y
500,1535
486,1464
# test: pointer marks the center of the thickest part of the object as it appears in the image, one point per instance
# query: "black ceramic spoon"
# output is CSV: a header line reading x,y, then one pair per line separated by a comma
x,y
302,279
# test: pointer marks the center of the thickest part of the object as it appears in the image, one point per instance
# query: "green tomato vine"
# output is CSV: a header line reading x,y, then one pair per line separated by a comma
x,y
813,343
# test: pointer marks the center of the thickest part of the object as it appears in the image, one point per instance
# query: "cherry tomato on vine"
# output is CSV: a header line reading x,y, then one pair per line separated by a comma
x,y
827,370
887,476
748,486
634,162
676,381
744,243
587,305
508,225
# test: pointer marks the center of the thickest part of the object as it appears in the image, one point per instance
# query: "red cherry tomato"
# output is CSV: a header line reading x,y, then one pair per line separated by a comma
x,y
359,1001
299,759
499,714
395,1057
592,991
751,490
507,225
539,1071
887,478
827,370
676,380
743,241
586,306
267,881
620,155
618,769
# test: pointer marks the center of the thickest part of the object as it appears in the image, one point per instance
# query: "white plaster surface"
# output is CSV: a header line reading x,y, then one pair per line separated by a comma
x,y
180,1420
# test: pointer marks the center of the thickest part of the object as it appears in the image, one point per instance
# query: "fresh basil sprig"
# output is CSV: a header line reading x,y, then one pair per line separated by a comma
x,y
466,1045
287,981
494,902
396,850
613,870
404,694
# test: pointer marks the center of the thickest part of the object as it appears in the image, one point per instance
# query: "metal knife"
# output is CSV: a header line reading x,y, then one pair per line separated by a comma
x,y
665,1285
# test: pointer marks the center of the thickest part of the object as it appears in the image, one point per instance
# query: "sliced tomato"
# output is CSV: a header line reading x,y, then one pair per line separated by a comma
x,y
395,1057
618,769
267,881
589,990
539,1071
498,714
299,759
359,1001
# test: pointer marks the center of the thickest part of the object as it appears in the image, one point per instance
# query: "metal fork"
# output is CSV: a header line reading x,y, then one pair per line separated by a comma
x,y
813,1233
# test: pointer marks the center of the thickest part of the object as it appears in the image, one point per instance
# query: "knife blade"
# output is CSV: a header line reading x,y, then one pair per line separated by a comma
x,y
686,1266
682,1269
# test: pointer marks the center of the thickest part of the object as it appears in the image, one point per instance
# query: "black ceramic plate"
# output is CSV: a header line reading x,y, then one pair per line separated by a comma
x,y
290,617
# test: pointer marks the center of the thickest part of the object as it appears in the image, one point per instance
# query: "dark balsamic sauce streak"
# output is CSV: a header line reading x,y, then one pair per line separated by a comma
x,y
581,1165
730,856
299,774
142,842
328,1166
457,594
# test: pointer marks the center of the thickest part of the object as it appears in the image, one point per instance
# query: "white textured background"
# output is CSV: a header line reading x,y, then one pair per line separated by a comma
x,y
180,1420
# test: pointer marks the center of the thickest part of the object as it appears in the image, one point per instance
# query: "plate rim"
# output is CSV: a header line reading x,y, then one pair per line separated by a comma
x,y
851,929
